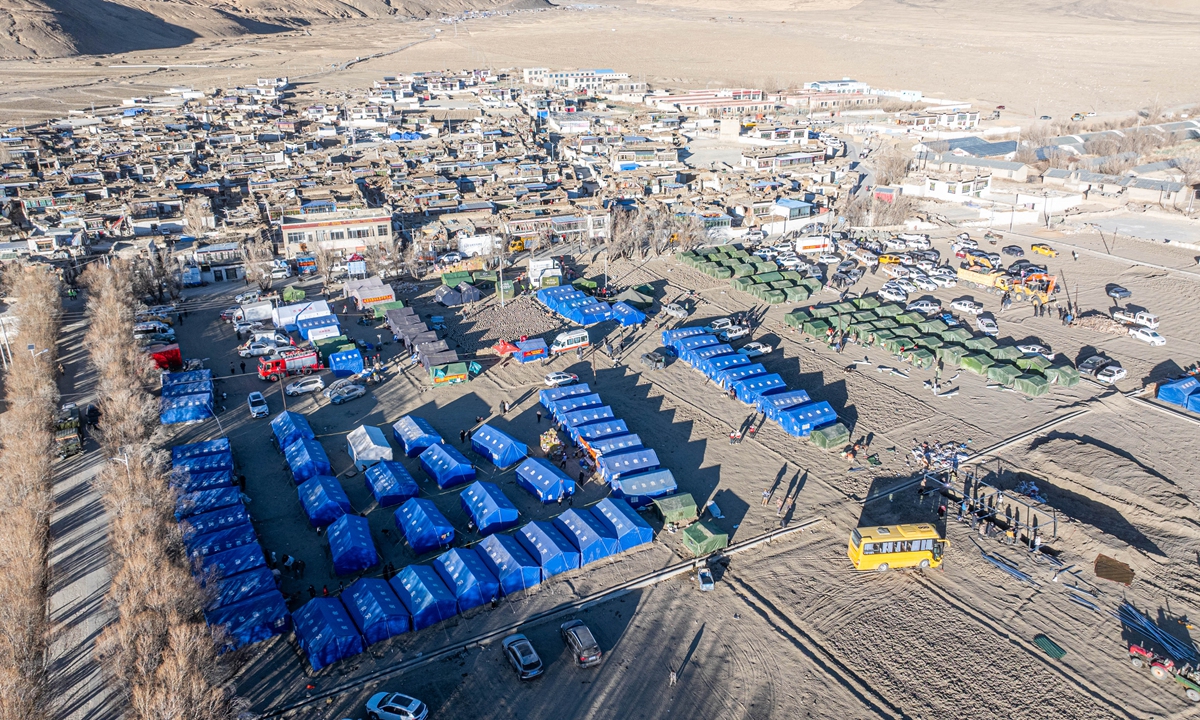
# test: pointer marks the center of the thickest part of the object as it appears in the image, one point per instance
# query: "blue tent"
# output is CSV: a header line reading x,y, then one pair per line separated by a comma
x,y
696,356
531,350
589,432
171,378
587,415
204,523
204,387
184,480
624,522
424,526
750,389
220,541
488,507
307,459
545,397
498,447
776,403
713,365
590,537
376,611
252,620
390,483
232,562
683,345
196,503
415,434
551,296
468,577
1193,402
1176,392
306,325
326,633
243,586
324,500
549,548
670,336
559,408
627,463
543,480
206,463
424,595
289,427
627,315
638,490
351,546
185,409
802,420
730,375
616,444
206,447
510,563
446,466
590,313
346,363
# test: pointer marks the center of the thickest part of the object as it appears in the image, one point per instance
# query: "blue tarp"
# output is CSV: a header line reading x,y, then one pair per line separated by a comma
x,y
488,507
1176,392
172,378
638,490
777,402
204,523
346,363
252,620
510,563
243,586
207,447
624,523
185,409
415,434
682,345
468,577
324,500
185,480
670,336
713,365
376,611
590,537
232,562
306,325
802,420
195,503
204,387
424,595
290,427
627,314
543,480
730,375
561,407
590,432
424,526
549,548
750,389
616,444
326,633
531,350
390,483
307,459
446,466
500,448
221,540
206,463
350,545
587,415
612,467
550,395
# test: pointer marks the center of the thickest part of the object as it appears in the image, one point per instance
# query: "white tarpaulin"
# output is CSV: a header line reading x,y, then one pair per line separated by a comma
x,y
367,445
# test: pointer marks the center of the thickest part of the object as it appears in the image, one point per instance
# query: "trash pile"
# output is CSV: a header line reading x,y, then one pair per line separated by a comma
x,y
940,457
1029,489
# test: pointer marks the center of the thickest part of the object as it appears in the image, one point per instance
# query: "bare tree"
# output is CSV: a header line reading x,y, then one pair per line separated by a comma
x,y
891,165
197,214
154,278
257,254
325,259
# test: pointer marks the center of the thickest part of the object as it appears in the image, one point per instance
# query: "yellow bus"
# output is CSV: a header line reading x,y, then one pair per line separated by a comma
x,y
883,547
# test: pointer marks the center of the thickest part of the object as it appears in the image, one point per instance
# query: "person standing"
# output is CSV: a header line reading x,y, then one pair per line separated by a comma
x,y
539,417
243,364
232,370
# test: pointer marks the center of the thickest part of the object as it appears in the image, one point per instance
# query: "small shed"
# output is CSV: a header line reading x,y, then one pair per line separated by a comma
x,y
367,445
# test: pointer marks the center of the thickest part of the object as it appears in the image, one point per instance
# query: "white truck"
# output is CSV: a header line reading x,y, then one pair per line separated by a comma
x,y
1141,317
478,245
544,273
254,312
815,245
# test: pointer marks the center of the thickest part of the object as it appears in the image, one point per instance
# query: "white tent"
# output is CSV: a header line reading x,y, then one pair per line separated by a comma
x,y
367,445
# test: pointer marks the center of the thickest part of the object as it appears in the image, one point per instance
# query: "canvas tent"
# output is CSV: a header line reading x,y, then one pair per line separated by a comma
x,y
590,432
729,376
446,466
544,480
546,397
252,620
424,595
627,315
623,521
375,610
612,467
545,544
423,525
307,459
488,507
185,480
226,517
802,420
220,541
510,563
351,546
559,408
415,434
185,409
679,509
197,503
468,577
390,483
242,586
326,633
206,447
590,537
615,444
1176,392
231,562
324,500
206,463
346,363
500,448
367,445
749,390
638,490
775,403
702,538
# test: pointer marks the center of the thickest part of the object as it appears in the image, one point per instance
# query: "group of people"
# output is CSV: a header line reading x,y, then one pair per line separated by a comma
x,y
291,566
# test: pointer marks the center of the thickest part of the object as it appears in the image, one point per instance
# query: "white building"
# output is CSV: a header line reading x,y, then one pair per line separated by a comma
x,y
845,86
595,79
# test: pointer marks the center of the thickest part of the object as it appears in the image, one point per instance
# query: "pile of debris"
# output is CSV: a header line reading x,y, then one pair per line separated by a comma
x,y
940,457
1099,322
521,316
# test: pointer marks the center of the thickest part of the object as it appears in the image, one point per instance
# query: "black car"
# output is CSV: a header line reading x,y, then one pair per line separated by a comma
x,y
1116,292
582,644
523,658
1013,250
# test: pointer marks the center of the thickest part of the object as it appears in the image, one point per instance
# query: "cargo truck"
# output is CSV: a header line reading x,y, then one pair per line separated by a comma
x,y
289,362
1036,287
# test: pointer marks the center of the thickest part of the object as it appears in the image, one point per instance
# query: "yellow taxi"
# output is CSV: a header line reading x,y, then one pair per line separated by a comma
x,y
1044,249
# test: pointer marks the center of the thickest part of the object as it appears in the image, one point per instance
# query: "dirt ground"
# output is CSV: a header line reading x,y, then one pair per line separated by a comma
x,y
792,630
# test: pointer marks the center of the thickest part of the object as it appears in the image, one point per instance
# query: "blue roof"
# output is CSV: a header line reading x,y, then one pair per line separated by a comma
x,y
624,522
510,563
587,415
170,378
549,548
749,389
242,586
733,374
203,501
681,345
774,403
221,540
424,595
792,204
641,488
351,546
488,507
306,458
415,434
627,315
252,620
206,463
591,538
802,420
446,466
713,365
589,432
503,450
326,633
376,611
390,483
543,480
346,363
324,500
561,407
614,444
289,427
1177,392
627,463
468,577
670,336
186,481
424,526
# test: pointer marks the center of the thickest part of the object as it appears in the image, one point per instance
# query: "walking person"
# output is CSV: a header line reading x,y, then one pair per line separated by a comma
x,y
232,370
539,417
462,436
243,364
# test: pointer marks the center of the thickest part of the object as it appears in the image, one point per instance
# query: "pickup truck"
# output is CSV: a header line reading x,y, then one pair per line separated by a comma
x,y
1141,317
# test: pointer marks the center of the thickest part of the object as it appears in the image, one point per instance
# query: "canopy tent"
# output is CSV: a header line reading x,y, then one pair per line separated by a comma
x,y
184,480
206,447
375,610
351,546
730,375
326,633
390,483
751,389
185,409
559,408
639,490
230,562
415,434
545,481
593,431
346,363
367,445
627,315
546,397
623,522
670,336
679,508
306,458
500,448
242,586
324,500
468,577
252,620
289,427
226,517
615,444
446,466
627,463
220,541
510,563
590,537
775,403
1177,392
196,503
424,595
424,526
488,507
545,544
802,420
702,539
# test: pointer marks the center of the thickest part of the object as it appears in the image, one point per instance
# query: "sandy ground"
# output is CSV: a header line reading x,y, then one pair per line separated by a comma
x,y
792,629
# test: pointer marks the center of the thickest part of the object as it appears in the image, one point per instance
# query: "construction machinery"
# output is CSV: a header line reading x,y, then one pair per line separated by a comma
x,y
1034,287
68,433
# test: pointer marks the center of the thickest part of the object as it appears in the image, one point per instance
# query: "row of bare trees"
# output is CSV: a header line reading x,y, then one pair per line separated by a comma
x,y
157,649
653,230
27,439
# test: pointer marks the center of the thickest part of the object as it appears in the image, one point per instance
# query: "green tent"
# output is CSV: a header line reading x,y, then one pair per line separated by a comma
x,y
329,346
685,256
952,354
839,322
722,273
1031,385
292,294
864,316
859,331
507,290
737,253
780,284
831,437
796,294
382,308
843,308
454,279
768,277
907,331
812,284
1064,375
774,297
731,262
679,509
743,270
893,344
636,299
1005,352
484,276
816,328
704,539
977,363
791,275
1033,364
797,317
822,311
587,286
865,303
742,283
983,342
765,267
920,358
707,267
929,342
646,289
881,335
910,318
957,335
886,323
889,310
1003,373
932,327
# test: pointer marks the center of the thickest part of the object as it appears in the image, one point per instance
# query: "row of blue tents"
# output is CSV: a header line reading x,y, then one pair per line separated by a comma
x,y
1184,392
371,610
630,469
187,397
223,546
750,382
583,309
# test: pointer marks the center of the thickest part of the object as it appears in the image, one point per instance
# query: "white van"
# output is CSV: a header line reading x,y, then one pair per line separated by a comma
x,y
570,340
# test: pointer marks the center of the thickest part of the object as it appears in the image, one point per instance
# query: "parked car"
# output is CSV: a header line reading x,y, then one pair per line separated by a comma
x,y
1138,317
450,258
280,274
1111,373
904,284
152,326
1037,350
675,310
967,306
312,383
1013,250
895,271
653,360
346,393
704,578
846,266
892,293
521,655
754,349
925,307
720,324
1147,335
580,641
258,405
1043,249
1116,292
829,258
923,283
733,333
944,281
395,706
558,379
227,313
987,326
256,348
247,297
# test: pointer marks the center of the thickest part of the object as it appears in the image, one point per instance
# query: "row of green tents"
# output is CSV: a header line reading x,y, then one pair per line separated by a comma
x,y
764,280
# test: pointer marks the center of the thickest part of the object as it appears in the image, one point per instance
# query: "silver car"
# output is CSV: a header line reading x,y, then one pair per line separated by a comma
x,y
258,405
305,385
347,393
521,655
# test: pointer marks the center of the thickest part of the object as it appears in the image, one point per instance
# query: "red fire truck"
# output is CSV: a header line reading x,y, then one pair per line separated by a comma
x,y
289,362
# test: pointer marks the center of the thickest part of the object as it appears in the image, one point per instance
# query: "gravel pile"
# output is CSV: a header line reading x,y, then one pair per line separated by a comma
x,y
475,331
1100,323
